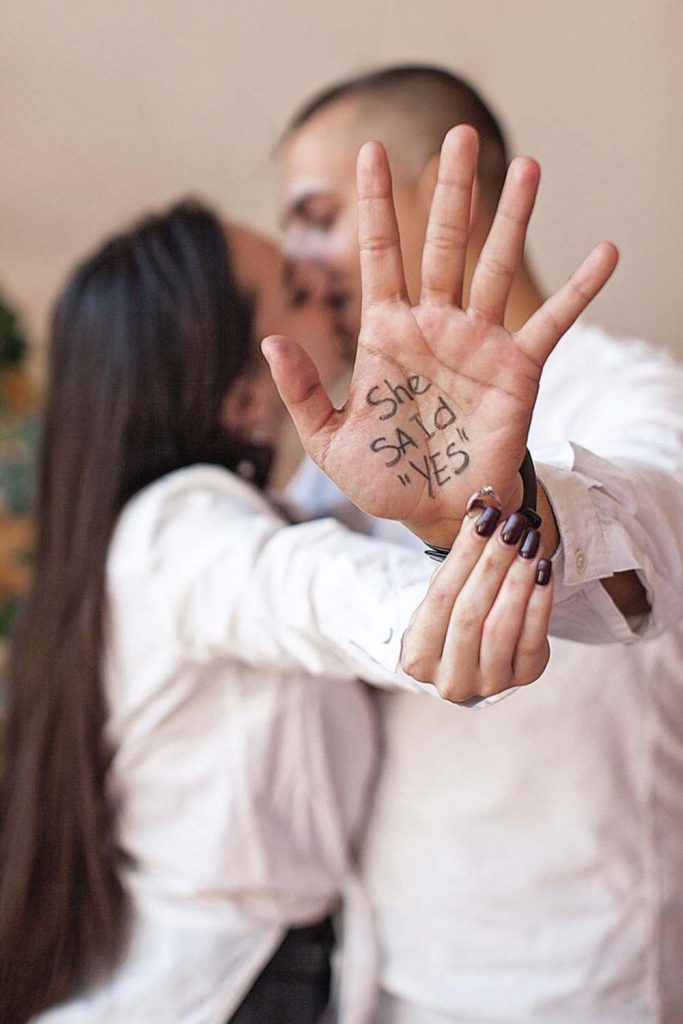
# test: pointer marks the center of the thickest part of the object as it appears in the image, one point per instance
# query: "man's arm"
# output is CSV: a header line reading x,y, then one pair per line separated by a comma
x,y
624,588
607,438
442,397
628,593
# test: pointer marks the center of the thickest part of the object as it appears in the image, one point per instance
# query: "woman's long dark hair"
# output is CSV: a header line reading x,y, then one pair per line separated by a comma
x,y
147,338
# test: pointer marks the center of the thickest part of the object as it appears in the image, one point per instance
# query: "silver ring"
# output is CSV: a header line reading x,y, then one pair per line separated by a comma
x,y
485,497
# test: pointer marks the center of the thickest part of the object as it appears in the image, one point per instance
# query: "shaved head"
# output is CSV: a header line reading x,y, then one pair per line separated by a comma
x,y
410,109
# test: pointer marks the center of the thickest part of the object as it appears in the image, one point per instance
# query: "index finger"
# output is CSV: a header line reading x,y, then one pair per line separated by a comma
x,y
381,263
424,639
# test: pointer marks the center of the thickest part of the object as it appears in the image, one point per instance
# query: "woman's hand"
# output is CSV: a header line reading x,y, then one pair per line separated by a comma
x,y
482,626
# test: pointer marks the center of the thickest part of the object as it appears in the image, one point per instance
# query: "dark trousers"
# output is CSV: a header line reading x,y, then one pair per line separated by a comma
x,y
294,987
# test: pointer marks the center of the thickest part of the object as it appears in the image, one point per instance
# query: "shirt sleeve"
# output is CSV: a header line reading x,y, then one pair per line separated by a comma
x,y
313,597
614,484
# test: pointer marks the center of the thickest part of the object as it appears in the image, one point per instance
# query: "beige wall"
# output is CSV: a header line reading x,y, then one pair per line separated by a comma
x,y
108,106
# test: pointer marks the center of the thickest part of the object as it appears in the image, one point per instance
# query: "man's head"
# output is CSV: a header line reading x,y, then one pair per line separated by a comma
x,y
409,109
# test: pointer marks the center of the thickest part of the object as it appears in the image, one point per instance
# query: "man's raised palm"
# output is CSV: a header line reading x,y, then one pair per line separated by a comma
x,y
441,397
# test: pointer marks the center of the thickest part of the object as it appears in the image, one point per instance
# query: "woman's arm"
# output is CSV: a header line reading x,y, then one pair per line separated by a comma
x,y
233,581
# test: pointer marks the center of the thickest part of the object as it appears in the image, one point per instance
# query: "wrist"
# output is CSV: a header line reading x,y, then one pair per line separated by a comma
x,y
436,534
441,532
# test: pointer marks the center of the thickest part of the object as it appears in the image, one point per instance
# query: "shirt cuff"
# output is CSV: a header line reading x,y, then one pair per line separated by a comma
x,y
584,556
584,551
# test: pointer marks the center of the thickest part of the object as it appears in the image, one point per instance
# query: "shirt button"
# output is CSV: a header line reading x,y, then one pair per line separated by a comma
x,y
580,561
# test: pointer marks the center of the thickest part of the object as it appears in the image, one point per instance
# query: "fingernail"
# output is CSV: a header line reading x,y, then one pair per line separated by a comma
x,y
544,572
513,528
487,522
530,544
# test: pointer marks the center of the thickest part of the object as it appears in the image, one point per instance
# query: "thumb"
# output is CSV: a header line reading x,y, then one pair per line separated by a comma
x,y
298,382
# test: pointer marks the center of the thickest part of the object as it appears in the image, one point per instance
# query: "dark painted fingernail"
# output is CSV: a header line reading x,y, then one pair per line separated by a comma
x,y
513,528
530,544
544,572
487,522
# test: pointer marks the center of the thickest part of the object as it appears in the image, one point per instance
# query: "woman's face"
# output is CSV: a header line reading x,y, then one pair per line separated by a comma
x,y
253,407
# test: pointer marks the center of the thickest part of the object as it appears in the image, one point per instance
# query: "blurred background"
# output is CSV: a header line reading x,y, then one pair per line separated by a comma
x,y
108,108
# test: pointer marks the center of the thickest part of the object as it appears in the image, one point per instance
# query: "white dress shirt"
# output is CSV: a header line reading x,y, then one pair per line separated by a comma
x,y
525,863
241,781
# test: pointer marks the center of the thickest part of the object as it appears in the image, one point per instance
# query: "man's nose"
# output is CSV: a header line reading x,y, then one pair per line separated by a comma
x,y
308,282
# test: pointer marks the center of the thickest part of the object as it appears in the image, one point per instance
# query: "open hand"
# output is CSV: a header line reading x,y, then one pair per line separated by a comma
x,y
441,397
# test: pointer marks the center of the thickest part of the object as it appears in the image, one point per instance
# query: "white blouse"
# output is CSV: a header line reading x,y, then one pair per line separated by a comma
x,y
241,780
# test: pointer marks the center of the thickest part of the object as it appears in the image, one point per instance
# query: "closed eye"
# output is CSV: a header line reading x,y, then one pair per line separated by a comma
x,y
311,211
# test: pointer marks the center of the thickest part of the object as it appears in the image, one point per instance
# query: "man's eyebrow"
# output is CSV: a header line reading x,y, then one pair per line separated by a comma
x,y
297,207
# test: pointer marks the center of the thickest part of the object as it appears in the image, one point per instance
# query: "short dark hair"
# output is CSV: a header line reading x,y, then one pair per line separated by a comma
x,y
449,99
